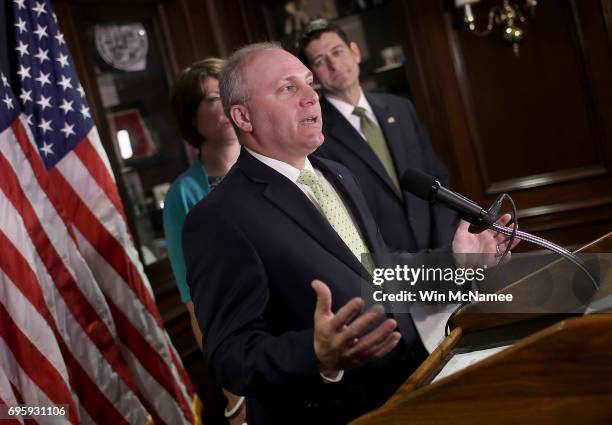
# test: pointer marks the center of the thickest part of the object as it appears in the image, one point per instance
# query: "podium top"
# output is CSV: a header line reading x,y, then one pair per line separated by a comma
x,y
556,287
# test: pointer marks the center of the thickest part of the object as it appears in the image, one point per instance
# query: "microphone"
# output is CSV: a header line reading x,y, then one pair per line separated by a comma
x,y
428,188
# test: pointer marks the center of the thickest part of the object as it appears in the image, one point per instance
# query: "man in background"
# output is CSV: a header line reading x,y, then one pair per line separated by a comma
x,y
377,136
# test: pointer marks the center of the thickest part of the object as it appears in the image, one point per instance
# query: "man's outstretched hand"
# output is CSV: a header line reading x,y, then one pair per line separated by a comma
x,y
341,343
489,243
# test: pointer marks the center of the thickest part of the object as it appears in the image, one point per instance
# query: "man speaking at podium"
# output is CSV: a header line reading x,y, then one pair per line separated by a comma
x,y
300,351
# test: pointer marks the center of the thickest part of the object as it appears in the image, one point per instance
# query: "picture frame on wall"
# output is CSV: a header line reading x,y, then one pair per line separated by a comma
x,y
131,134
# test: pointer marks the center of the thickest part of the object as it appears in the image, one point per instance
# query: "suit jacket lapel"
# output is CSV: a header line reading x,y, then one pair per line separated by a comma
x,y
340,129
292,201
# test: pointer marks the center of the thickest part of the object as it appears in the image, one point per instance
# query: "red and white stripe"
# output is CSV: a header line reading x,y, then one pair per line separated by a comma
x,y
31,355
8,397
105,243
103,239
101,390
77,321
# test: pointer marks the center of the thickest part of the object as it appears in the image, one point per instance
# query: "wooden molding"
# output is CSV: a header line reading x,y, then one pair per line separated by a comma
x,y
544,179
606,8
565,206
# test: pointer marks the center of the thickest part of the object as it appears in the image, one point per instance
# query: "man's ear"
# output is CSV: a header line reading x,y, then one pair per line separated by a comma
x,y
356,52
240,115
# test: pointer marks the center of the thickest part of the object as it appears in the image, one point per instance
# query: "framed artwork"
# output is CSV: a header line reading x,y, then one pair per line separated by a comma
x,y
131,134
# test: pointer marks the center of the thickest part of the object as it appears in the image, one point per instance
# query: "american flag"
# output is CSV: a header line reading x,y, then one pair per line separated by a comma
x,y
78,321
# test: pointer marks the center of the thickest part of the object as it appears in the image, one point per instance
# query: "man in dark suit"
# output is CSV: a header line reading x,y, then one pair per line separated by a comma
x,y
256,247
377,136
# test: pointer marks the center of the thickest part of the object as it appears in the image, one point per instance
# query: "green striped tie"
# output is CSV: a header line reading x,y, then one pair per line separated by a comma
x,y
375,138
337,216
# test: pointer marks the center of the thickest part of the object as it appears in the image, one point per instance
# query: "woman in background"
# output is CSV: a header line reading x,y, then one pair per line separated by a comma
x,y
197,108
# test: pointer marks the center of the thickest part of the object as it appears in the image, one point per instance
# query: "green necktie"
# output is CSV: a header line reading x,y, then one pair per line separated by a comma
x,y
337,216
375,138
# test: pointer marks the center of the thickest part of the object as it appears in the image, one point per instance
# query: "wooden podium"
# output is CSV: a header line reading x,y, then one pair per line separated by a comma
x,y
558,369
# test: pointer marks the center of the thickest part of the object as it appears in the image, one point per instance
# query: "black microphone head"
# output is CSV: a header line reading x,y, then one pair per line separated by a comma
x,y
418,183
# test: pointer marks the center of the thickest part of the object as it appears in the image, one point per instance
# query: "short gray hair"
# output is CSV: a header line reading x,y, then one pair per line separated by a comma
x,y
232,84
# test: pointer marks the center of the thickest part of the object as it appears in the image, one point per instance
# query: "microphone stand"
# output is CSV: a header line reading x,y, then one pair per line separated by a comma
x,y
548,245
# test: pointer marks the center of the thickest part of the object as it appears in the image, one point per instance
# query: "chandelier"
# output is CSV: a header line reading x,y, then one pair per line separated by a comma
x,y
510,15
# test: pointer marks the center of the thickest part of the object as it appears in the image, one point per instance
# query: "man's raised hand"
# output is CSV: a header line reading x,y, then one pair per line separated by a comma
x,y
488,243
346,340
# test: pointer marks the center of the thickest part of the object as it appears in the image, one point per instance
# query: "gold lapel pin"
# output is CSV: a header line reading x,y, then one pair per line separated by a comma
x,y
391,120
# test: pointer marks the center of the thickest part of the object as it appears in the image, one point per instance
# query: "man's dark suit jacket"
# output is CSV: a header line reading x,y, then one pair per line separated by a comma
x,y
406,222
252,248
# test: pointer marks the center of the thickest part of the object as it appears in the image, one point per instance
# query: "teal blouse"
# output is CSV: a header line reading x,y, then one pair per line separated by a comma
x,y
186,191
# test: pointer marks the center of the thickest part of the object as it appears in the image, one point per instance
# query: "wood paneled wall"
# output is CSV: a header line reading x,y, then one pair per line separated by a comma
x,y
538,126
